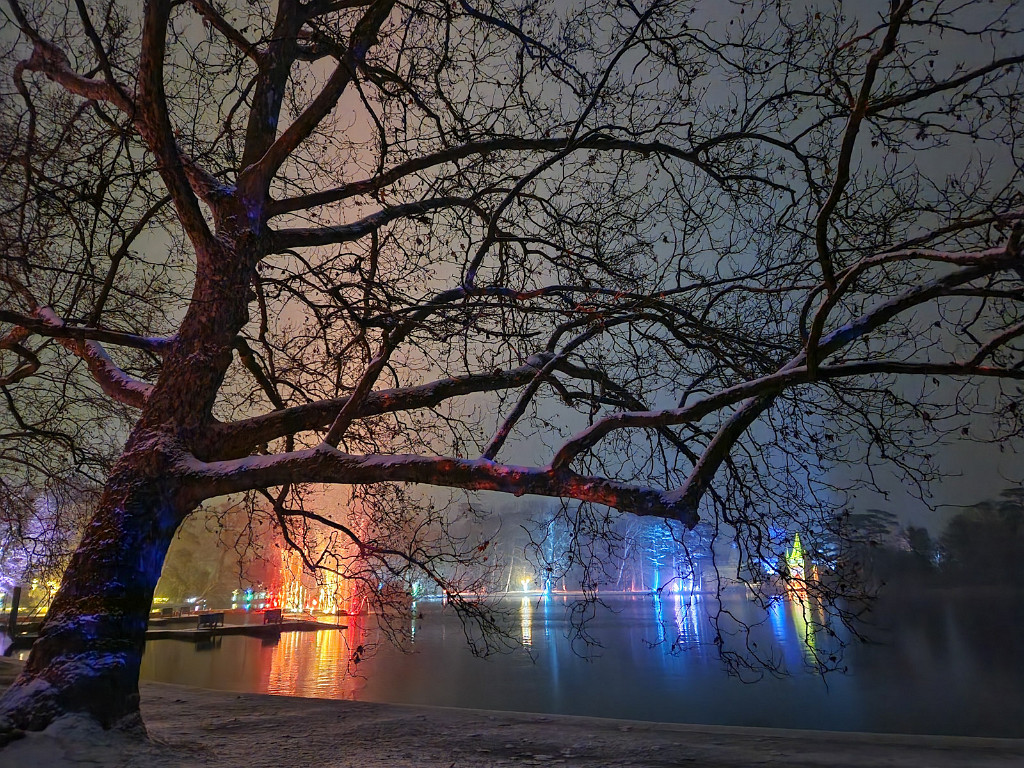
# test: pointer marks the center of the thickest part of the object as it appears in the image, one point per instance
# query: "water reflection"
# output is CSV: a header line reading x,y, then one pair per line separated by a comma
x,y
689,613
209,644
950,669
687,626
319,664
526,621
659,617
300,666
796,620
777,617
806,619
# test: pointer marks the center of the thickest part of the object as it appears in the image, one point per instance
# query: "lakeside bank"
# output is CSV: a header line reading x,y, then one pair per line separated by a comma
x,y
198,727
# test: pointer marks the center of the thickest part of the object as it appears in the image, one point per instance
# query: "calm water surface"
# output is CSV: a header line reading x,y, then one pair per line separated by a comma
x,y
946,665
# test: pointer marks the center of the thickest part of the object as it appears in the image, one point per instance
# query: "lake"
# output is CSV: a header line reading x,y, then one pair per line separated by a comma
x,y
939,663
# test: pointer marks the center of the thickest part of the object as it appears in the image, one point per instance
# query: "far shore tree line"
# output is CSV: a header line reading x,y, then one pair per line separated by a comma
x,y
220,552
981,545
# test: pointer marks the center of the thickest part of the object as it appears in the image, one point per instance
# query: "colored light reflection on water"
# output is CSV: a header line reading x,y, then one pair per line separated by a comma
x,y
950,669
526,621
323,664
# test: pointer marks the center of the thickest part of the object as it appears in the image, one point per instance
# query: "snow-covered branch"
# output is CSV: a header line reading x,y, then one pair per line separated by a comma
x,y
51,61
328,465
43,325
112,380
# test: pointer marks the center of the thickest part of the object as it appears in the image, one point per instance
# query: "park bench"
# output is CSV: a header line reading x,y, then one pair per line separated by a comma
x,y
210,620
272,616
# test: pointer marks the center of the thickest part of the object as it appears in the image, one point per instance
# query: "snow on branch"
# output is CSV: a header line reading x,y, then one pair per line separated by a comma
x,y
112,380
802,370
51,61
43,325
329,465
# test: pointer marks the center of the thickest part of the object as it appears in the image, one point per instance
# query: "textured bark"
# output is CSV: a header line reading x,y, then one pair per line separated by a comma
x,y
87,657
90,645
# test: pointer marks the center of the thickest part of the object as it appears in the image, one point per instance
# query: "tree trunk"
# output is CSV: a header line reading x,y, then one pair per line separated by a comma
x,y
89,650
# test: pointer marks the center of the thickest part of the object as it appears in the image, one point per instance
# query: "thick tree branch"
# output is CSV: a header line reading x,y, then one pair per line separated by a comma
x,y
222,25
97,46
993,344
323,7
245,354
848,279
363,38
149,113
483,149
758,394
858,111
884,105
52,62
29,364
240,438
328,465
796,371
528,393
286,239
154,124
119,255
114,382
49,60
44,325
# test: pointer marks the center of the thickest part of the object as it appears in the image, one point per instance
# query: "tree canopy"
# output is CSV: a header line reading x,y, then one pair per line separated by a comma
x,y
672,258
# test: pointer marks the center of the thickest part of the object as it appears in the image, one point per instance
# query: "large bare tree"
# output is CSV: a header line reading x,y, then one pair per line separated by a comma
x,y
673,258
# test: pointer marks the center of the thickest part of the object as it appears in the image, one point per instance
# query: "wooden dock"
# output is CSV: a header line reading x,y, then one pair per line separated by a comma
x,y
248,630
162,631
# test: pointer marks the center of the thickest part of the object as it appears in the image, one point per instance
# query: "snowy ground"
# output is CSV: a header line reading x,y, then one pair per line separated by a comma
x,y
192,727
